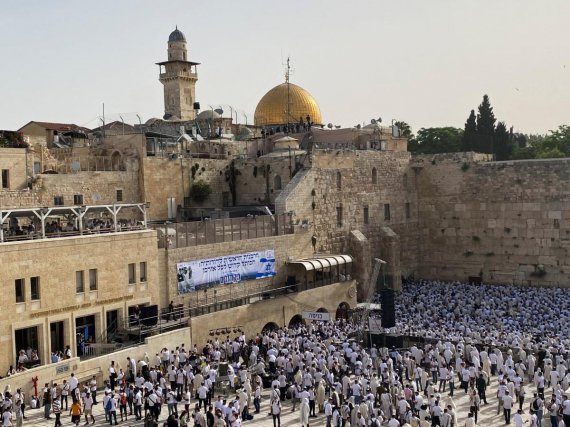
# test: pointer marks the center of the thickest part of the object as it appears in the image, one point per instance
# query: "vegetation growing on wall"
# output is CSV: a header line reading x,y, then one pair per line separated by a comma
x,y
231,175
201,191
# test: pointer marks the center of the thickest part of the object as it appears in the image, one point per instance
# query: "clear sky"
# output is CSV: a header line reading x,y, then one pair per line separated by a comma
x,y
427,62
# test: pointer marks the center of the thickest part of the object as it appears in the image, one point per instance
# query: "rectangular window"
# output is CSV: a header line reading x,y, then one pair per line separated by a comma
x,y
5,179
79,282
339,216
93,279
78,199
35,288
366,217
119,195
408,213
20,290
142,268
58,200
132,274
386,212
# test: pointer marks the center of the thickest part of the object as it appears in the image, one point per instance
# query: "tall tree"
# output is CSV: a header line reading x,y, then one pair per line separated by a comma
x,y
503,144
470,132
485,126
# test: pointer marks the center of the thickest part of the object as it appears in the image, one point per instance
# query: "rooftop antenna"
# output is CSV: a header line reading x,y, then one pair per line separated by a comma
x,y
287,77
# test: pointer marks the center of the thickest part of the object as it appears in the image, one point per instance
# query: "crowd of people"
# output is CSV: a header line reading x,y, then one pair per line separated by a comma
x,y
506,316
322,370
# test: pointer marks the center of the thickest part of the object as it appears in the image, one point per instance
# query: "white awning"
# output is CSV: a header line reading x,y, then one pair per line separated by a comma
x,y
323,262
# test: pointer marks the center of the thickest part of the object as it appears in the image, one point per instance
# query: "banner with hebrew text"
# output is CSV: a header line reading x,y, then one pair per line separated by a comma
x,y
205,273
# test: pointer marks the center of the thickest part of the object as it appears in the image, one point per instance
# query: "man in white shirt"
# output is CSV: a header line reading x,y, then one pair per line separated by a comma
x,y
393,422
470,421
518,419
566,410
507,406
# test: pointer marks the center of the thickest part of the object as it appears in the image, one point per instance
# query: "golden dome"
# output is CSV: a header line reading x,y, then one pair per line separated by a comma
x,y
272,109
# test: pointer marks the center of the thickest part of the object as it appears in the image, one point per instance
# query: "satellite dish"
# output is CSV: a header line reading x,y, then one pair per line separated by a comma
x,y
96,197
358,126
373,121
330,125
219,111
337,127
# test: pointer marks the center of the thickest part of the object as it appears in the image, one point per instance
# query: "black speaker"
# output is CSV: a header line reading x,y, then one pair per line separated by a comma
x,y
388,309
196,105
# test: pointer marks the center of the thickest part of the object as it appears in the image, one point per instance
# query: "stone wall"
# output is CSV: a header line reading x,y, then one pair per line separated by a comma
x,y
97,188
260,178
14,161
350,190
54,262
508,222
165,178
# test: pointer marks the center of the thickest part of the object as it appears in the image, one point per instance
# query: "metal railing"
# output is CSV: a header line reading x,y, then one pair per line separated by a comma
x,y
35,235
195,233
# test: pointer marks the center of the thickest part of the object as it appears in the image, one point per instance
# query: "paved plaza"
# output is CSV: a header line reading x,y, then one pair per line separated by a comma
x,y
487,415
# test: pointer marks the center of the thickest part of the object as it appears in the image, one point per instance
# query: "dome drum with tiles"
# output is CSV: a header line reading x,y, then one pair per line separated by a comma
x,y
272,108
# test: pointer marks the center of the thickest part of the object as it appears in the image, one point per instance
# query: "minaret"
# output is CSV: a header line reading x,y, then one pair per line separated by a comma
x,y
179,78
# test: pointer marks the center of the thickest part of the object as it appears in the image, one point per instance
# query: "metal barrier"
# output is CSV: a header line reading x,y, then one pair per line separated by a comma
x,y
195,233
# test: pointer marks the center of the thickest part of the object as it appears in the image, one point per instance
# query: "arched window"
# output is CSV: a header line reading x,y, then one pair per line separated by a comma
x,y
277,183
374,176
338,180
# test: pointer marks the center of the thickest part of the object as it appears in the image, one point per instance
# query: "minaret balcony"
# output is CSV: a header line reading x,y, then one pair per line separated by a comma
x,y
178,74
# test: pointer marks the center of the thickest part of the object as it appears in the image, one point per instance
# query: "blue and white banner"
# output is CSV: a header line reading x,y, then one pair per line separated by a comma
x,y
205,273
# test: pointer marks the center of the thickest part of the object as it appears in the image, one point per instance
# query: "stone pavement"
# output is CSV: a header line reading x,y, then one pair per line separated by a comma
x,y
487,415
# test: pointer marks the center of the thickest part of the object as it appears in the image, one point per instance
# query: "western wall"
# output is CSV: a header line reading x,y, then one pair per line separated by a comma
x,y
506,222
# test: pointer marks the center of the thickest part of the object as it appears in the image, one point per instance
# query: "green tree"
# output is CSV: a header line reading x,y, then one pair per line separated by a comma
x,y
557,142
436,140
485,126
405,129
470,133
503,144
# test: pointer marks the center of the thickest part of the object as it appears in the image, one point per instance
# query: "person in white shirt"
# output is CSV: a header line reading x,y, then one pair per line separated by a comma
x,y
566,410
518,419
393,422
507,406
470,421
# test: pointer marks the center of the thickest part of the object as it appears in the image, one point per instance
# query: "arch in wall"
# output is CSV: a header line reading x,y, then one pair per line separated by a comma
x,y
297,319
374,176
277,183
322,310
342,310
117,161
269,327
